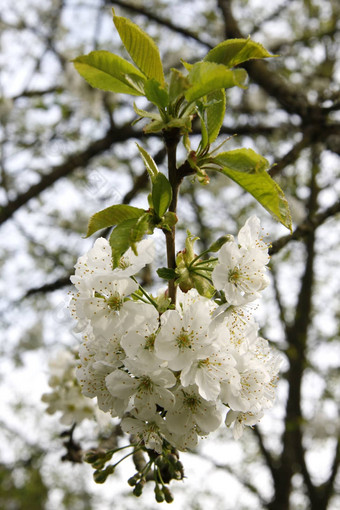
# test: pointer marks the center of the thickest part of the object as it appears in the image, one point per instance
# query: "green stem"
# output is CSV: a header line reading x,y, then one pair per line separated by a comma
x,y
148,297
203,276
202,263
137,296
123,458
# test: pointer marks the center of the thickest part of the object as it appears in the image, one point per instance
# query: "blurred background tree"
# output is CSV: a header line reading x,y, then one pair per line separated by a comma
x,y
68,150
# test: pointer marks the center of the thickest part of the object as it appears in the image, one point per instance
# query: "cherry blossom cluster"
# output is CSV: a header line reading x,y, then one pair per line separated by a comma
x,y
175,373
66,396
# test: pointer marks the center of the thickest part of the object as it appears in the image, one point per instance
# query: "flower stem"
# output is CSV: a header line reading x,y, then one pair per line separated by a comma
x,y
148,297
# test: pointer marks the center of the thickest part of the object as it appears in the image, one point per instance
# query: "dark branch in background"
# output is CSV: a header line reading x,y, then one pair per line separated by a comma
x,y
282,310
38,93
80,159
49,287
277,12
292,99
291,156
327,489
246,483
141,182
305,228
305,38
265,452
159,20
292,458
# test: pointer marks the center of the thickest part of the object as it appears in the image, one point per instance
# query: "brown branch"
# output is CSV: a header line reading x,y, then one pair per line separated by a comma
x,y
37,93
61,282
292,458
80,159
305,228
171,139
291,98
310,135
292,155
328,486
265,453
140,183
246,483
282,310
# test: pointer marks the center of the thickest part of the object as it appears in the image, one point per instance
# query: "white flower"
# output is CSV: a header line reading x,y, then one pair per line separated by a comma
x,y
185,299
98,261
192,412
66,396
183,335
239,273
250,238
148,385
139,341
92,381
73,406
104,301
258,370
148,430
61,367
209,370
239,420
130,264
253,381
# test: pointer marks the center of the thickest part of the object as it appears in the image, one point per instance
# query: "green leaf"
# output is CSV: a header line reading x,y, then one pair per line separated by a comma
x,y
204,130
243,160
147,115
106,71
184,123
140,47
127,234
112,216
248,169
187,65
149,163
215,112
166,273
178,85
235,51
156,93
161,194
155,126
206,77
168,221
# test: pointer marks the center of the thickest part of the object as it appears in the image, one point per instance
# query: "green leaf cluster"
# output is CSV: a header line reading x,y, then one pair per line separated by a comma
x,y
177,100
199,91
131,224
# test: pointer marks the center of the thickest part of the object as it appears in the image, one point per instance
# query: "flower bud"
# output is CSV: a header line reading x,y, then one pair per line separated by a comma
x,y
137,491
133,480
167,494
217,245
159,496
101,476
